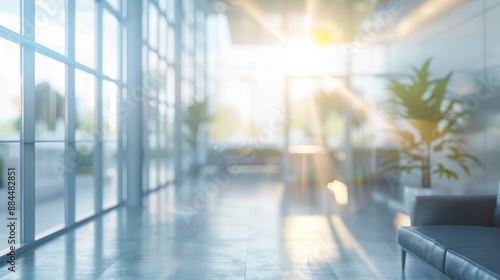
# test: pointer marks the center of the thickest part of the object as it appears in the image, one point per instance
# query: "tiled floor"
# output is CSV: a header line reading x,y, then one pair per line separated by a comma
x,y
238,229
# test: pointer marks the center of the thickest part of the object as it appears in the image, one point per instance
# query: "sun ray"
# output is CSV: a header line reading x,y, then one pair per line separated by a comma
x,y
310,10
252,10
349,241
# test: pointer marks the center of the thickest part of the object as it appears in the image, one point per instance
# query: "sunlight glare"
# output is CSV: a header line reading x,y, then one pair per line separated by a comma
x,y
402,220
349,241
304,58
256,14
310,9
340,191
427,11
309,236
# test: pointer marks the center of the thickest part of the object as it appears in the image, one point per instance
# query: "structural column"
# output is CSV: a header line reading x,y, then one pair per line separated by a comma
x,y
70,114
98,137
28,127
133,105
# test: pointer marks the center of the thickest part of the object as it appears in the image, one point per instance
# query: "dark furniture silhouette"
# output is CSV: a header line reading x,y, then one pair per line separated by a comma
x,y
458,235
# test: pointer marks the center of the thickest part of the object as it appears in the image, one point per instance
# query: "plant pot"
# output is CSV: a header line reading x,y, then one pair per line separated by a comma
x,y
410,194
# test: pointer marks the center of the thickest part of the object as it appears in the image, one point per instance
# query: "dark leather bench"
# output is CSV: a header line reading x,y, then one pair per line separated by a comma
x,y
459,236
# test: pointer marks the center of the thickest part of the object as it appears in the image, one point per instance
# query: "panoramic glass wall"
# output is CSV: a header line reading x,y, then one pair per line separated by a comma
x,y
61,94
159,81
60,98
187,76
63,85
160,22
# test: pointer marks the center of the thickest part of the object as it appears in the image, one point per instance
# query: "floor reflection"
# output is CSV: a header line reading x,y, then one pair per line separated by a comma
x,y
235,230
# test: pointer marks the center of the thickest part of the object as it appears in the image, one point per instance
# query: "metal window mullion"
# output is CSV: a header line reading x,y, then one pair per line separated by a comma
x,y
162,141
70,107
145,142
28,126
193,52
119,131
157,35
205,82
155,127
178,94
120,149
205,56
123,134
159,147
164,103
157,89
13,36
157,122
98,146
112,10
145,132
155,136
194,30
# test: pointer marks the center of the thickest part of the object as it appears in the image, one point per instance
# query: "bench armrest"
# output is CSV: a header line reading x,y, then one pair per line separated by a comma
x,y
454,210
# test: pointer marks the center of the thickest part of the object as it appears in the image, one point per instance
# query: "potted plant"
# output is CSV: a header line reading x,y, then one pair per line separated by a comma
x,y
196,116
429,129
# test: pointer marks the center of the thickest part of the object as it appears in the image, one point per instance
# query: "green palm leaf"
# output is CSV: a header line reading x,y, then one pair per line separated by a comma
x,y
435,121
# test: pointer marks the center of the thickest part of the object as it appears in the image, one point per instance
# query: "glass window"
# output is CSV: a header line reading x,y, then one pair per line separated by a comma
x,y
170,142
50,88
10,91
162,46
50,24
124,156
163,5
110,146
111,45
162,84
153,79
171,11
171,45
10,15
170,86
49,186
110,184
153,26
124,175
85,32
85,105
50,33
186,38
153,143
110,111
188,10
187,69
84,187
187,94
115,4
162,145
145,65
124,56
